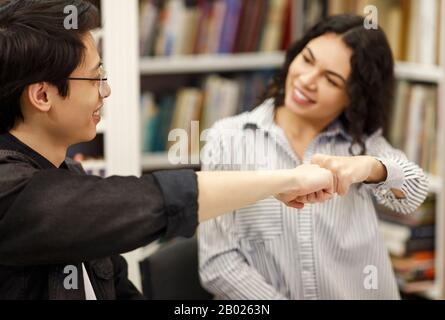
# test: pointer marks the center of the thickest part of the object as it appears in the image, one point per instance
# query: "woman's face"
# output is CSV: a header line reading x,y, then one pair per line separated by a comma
x,y
316,80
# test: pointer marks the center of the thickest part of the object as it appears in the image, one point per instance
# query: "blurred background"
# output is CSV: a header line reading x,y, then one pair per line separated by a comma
x,y
176,61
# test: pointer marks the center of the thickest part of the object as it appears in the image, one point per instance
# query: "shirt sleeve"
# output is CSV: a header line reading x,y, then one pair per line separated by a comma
x,y
402,175
58,216
224,270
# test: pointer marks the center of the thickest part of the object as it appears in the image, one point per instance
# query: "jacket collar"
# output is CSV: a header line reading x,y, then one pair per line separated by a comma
x,y
11,143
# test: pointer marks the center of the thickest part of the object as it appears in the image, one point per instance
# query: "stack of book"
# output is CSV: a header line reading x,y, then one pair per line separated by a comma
x,y
410,240
413,126
217,98
179,27
185,27
412,26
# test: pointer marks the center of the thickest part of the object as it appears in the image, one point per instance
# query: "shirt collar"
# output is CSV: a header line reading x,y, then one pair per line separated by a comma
x,y
263,118
336,129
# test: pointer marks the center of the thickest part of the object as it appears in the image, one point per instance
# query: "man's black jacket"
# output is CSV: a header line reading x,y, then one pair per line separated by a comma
x,y
54,217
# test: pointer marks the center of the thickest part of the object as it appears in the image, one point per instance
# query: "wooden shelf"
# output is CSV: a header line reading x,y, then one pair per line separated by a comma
x,y
257,61
418,72
210,63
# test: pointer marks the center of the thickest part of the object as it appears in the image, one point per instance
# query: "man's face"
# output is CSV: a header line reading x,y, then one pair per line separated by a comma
x,y
73,119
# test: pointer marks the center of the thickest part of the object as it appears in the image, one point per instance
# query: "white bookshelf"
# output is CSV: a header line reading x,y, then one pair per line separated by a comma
x,y
258,61
419,72
438,291
122,133
122,126
210,63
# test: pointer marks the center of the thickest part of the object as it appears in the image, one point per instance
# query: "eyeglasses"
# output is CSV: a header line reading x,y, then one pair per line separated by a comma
x,y
104,88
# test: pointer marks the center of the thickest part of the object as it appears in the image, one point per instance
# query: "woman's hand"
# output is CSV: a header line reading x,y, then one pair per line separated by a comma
x,y
351,170
311,184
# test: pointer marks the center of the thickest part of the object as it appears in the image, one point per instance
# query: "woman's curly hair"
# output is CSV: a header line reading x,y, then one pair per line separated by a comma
x,y
370,87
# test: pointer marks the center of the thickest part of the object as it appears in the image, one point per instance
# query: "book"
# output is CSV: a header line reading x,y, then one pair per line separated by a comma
x,y
149,119
273,31
230,26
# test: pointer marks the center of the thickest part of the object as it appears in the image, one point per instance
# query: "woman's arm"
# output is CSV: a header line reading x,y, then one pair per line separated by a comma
x,y
221,192
396,182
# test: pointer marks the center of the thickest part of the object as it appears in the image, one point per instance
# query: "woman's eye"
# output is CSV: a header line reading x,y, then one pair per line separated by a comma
x,y
332,82
306,59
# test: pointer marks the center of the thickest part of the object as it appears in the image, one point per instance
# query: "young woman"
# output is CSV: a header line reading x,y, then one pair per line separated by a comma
x,y
327,107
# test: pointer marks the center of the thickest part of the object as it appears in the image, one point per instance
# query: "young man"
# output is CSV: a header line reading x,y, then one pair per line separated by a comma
x,y
52,87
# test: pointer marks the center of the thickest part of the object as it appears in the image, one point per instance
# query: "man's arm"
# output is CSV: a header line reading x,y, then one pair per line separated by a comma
x,y
58,216
222,192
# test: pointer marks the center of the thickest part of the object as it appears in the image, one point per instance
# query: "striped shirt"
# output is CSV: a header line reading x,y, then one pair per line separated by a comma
x,y
331,250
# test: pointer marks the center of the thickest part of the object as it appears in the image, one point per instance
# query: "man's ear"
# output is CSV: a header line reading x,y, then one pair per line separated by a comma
x,y
38,96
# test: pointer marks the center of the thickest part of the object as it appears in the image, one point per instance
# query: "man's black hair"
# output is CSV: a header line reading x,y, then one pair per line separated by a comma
x,y
36,47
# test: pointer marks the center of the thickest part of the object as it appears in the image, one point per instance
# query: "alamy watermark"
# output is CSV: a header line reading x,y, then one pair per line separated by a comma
x,y
239,147
71,20
371,17
71,281
371,280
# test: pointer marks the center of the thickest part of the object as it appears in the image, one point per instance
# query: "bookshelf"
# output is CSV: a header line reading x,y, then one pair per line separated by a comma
x,y
255,61
211,63
122,136
122,127
419,72
438,291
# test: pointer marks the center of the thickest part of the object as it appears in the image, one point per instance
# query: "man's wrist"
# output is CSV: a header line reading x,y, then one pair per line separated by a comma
x,y
286,180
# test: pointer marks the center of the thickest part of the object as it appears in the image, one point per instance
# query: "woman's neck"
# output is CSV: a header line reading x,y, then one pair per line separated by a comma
x,y
297,126
299,131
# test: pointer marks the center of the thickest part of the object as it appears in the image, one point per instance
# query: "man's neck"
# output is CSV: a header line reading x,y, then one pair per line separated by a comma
x,y
54,151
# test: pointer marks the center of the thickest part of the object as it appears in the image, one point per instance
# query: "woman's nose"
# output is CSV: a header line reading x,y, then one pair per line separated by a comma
x,y
308,80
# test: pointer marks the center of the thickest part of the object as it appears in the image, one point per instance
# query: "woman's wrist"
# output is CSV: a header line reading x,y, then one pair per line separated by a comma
x,y
378,171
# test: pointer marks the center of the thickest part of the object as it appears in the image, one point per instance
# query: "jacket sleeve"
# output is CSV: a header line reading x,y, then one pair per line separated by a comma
x,y
58,216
